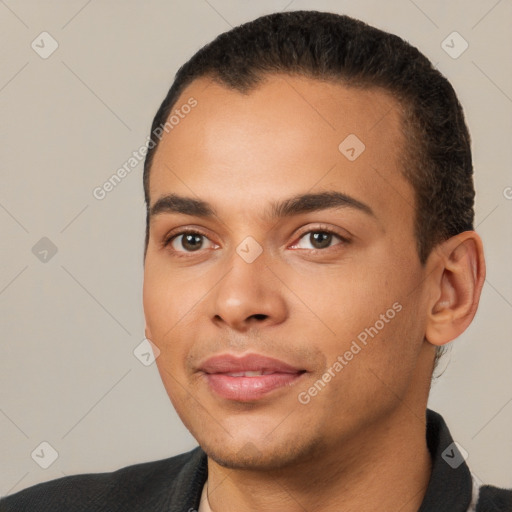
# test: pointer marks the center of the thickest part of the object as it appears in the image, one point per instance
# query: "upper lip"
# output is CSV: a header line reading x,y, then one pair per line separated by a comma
x,y
229,363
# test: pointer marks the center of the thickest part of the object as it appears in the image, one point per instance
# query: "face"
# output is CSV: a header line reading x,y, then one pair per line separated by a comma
x,y
282,284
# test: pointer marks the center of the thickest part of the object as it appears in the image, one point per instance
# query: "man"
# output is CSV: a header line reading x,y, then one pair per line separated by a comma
x,y
309,250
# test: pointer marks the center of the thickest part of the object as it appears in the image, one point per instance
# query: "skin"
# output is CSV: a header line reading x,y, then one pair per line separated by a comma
x,y
359,444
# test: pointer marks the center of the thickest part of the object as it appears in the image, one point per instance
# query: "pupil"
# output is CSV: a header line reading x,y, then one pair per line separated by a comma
x,y
192,242
320,239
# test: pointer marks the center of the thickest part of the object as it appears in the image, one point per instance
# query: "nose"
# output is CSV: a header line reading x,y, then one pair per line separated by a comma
x,y
249,295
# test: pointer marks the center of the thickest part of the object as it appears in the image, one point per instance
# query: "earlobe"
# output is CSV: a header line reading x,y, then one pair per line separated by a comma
x,y
457,287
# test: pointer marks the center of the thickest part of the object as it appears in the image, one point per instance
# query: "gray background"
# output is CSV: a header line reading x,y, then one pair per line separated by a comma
x,y
70,324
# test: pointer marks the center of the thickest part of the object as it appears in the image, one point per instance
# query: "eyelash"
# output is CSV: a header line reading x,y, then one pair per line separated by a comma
x,y
319,229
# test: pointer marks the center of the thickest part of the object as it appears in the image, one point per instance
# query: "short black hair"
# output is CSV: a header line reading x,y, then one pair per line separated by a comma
x,y
326,46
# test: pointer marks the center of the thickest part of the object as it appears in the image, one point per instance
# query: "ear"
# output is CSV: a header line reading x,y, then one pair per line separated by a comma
x,y
458,277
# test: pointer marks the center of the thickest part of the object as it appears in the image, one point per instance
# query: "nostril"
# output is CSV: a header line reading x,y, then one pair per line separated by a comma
x,y
259,316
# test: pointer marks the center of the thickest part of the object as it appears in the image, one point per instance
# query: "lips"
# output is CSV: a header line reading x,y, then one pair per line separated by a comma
x,y
248,378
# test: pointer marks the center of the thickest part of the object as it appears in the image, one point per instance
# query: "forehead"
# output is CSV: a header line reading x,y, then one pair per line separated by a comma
x,y
286,136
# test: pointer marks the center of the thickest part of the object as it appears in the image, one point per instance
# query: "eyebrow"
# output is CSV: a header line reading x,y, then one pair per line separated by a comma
x,y
301,203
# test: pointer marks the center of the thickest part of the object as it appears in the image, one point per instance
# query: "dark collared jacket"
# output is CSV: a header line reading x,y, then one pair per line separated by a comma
x,y
175,485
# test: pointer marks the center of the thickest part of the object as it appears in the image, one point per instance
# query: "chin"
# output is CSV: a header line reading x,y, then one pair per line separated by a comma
x,y
256,457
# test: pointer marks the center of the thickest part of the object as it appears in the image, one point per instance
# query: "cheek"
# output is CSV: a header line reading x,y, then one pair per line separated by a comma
x,y
156,302
170,309
372,305
172,380
349,297
166,300
392,343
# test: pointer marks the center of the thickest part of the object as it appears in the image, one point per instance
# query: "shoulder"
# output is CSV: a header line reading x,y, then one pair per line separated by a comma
x,y
139,487
494,499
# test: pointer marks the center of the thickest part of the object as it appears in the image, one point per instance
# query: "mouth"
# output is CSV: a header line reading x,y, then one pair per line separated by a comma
x,y
248,378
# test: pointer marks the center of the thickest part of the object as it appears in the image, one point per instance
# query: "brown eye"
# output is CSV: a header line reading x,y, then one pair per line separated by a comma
x,y
319,240
188,242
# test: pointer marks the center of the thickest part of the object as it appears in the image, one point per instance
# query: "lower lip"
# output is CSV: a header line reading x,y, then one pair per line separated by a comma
x,y
246,389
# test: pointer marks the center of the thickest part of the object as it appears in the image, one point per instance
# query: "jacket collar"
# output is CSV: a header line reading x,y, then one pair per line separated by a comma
x,y
450,486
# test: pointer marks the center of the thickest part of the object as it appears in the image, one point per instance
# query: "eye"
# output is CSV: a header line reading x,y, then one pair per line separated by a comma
x,y
319,239
189,241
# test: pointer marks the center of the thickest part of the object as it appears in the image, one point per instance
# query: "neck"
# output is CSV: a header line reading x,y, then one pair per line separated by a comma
x,y
385,467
